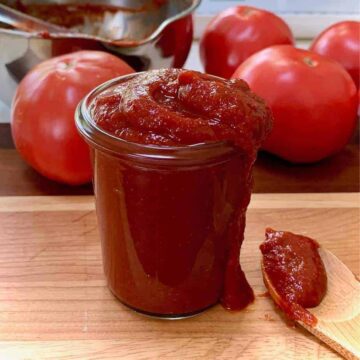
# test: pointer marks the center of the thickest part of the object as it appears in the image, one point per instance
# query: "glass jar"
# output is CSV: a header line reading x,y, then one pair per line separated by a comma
x,y
164,215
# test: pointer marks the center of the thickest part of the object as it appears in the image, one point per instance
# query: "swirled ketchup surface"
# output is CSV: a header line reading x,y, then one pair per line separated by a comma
x,y
171,235
179,107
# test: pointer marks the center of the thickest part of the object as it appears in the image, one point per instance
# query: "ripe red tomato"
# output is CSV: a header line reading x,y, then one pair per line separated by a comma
x,y
235,34
182,31
43,109
313,99
341,42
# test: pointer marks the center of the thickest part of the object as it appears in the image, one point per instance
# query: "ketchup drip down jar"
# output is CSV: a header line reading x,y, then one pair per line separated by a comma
x,y
172,155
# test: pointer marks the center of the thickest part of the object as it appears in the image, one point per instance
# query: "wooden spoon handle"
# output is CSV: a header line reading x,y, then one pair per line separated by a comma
x,y
344,348
339,313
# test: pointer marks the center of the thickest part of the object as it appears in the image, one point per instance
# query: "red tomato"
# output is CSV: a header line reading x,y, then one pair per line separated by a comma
x,y
176,40
313,99
43,109
341,42
235,34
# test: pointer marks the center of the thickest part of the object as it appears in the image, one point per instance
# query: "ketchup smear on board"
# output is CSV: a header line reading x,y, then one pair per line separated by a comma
x,y
296,271
198,263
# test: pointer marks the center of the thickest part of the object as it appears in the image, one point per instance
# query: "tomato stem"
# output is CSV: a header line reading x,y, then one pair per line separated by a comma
x,y
247,11
66,65
309,61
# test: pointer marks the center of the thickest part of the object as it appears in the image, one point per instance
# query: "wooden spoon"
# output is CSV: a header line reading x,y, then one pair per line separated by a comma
x,y
338,314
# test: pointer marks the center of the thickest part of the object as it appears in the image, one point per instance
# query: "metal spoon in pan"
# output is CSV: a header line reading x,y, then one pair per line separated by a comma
x,y
24,22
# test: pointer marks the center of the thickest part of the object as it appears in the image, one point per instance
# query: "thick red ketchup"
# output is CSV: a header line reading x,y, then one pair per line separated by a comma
x,y
295,269
172,227
74,14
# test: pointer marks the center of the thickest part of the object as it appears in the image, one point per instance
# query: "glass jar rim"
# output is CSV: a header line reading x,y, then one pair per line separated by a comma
x,y
101,139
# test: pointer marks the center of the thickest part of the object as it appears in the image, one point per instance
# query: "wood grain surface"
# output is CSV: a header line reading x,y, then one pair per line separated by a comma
x,y
54,303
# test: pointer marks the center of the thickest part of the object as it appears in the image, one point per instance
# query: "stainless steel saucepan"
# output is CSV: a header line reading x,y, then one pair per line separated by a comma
x,y
147,34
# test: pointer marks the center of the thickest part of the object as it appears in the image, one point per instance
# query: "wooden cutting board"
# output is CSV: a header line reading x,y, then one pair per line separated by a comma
x,y
54,303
